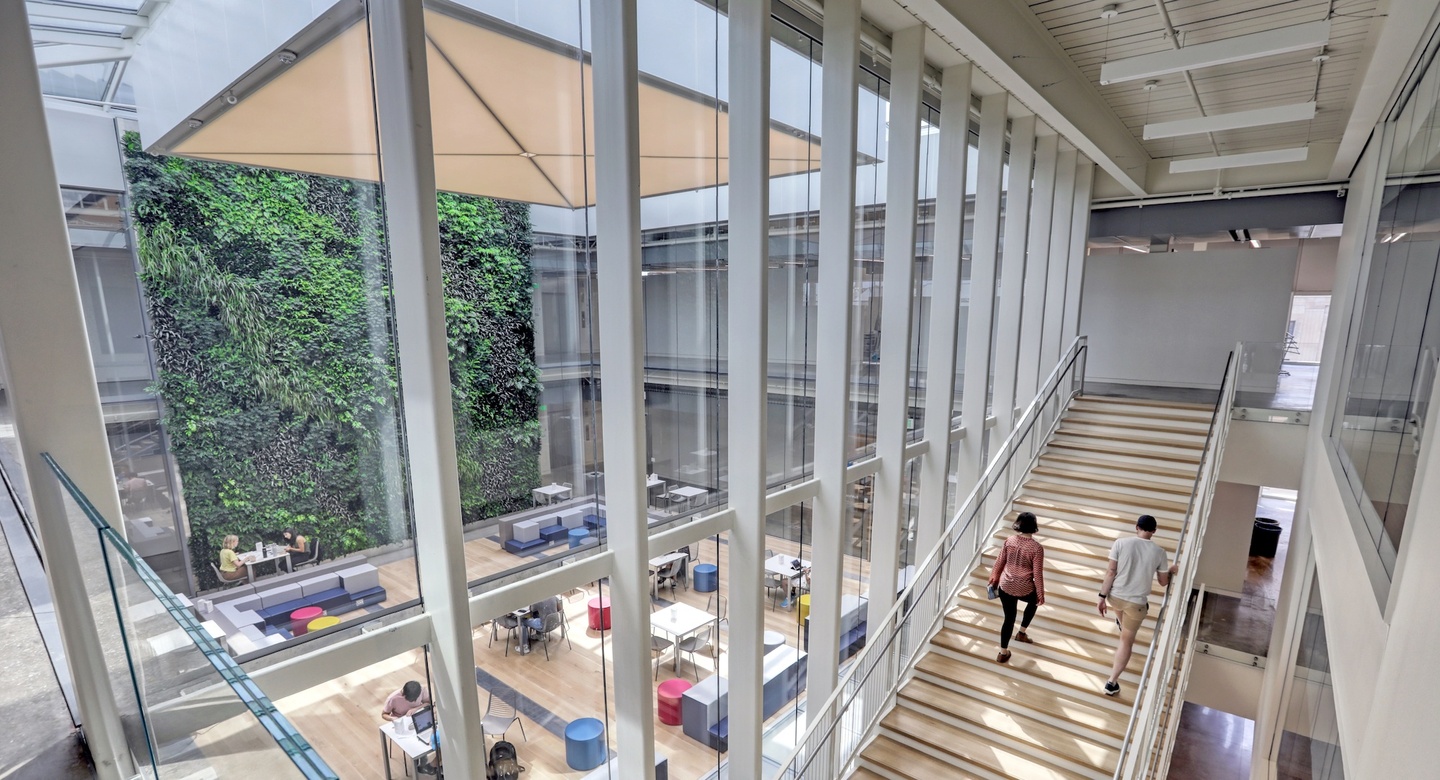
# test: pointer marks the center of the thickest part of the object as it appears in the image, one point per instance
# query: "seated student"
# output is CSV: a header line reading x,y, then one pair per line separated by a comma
x,y
230,567
411,696
298,546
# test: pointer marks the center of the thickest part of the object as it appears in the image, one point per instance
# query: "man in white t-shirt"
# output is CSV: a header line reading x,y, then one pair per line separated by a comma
x,y
1127,589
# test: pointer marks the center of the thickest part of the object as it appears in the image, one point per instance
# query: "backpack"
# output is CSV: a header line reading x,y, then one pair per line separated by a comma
x,y
504,763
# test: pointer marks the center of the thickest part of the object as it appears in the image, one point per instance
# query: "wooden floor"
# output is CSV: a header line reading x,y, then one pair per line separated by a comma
x,y
341,718
1042,715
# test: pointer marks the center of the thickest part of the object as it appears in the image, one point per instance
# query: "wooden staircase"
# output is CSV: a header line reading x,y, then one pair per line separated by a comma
x,y
1043,715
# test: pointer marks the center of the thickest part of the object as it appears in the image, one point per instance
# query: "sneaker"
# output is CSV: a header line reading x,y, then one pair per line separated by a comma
x,y
785,604
1112,688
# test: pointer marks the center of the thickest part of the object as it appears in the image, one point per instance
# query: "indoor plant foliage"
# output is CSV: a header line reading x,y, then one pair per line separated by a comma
x,y
269,301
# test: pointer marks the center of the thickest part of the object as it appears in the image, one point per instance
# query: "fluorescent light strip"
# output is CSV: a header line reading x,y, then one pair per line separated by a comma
x,y
1298,154
1259,117
1310,35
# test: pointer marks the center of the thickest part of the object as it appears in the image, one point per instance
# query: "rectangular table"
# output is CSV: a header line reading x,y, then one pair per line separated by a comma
x,y
679,620
658,563
252,559
549,492
414,746
688,494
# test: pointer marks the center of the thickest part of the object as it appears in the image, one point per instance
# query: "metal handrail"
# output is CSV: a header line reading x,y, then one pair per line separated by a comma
x,y
1195,517
905,603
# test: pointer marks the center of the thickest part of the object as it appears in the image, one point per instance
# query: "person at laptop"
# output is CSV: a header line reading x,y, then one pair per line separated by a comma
x,y
411,697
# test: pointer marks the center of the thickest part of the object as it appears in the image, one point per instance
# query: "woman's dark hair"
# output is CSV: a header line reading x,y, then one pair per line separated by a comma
x,y
1026,523
411,691
290,534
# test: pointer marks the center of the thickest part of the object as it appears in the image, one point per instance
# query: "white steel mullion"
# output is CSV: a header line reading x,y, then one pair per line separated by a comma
x,y
1012,271
52,395
907,64
621,306
1050,345
407,162
1037,268
984,256
749,245
1079,232
944,308
839,104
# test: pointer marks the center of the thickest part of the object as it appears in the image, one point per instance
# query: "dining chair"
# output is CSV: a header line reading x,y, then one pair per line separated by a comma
x,y
720,606
776,584
499,716
696,642
554,622
508,622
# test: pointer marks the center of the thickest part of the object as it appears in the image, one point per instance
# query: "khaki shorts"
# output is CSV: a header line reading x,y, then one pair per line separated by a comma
x,y
1131,614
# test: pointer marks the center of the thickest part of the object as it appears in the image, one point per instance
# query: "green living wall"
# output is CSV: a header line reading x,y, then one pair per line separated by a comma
x,y
269,301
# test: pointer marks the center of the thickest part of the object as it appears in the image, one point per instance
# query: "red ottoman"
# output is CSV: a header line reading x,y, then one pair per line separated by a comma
x,y
300,619
599,613
667,699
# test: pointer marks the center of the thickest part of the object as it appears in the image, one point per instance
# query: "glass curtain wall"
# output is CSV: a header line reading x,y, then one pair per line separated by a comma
x,y
1394,336
1309,744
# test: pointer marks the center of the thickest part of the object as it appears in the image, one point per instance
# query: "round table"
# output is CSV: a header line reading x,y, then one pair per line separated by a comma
x,y
667,700
301,618
322,623
599,613
773,639
707,577
578,536
585,743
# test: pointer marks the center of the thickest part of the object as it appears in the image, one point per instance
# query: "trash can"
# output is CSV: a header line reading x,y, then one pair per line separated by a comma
x,y
1265,539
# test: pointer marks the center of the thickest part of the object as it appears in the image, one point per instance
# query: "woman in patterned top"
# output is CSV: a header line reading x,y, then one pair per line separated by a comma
x,y
1019,575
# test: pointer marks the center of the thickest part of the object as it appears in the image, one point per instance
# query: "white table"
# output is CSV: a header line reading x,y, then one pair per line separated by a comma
x,y
549,493
781,566
251,559
678,620
688,494
413,745
656,564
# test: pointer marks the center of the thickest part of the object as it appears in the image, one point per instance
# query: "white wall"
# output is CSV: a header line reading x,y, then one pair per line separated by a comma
x,y
1170,319
1264,454
1225,554
1224,685
84,147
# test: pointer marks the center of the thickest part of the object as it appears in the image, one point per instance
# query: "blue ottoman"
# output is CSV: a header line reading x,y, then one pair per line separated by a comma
x,y
578,536
707,577
585,743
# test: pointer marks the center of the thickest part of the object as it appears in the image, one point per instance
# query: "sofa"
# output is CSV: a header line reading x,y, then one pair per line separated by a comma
x,y
338,589
783,678
521,535
704,710
853,623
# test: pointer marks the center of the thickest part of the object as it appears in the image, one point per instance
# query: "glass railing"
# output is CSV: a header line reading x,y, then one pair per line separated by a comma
x,y
1272,385
168,671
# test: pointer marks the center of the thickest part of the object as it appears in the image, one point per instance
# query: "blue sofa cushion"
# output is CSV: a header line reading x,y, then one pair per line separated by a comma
x,y
554,533
594,521
518,547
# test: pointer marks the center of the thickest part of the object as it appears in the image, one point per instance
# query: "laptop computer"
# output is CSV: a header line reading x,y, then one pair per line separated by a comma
x,y
424,719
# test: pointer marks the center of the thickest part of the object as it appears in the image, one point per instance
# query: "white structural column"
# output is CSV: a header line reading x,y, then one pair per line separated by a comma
x,y
1060,228
833,424
51,390
1037,267
621,306
749,271
907,62
944,308
407,165
1079,233
984,257
1012,272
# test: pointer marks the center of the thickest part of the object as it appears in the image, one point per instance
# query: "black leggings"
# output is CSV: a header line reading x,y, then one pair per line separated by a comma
x,y
1009,603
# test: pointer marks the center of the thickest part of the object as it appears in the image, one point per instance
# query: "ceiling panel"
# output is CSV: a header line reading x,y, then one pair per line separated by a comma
x,y
1138,29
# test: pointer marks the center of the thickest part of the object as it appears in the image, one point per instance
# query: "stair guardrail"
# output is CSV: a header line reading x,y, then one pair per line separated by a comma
x,y
1142,735
839,728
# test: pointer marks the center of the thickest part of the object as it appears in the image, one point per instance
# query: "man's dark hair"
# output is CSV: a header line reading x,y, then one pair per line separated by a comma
x,y
411,691
1026,523
1146,523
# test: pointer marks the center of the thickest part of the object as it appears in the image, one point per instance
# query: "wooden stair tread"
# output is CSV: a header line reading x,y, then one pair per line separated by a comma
x,y
1057,587
1120,400
908,762
1091,650
1061,704
1117,481
1027,730
861,773
1121,465
1087,623
1103,534
1094,548
1127,439
1135,426
1042,670
1081,446
1099,495
1165,521
968,748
